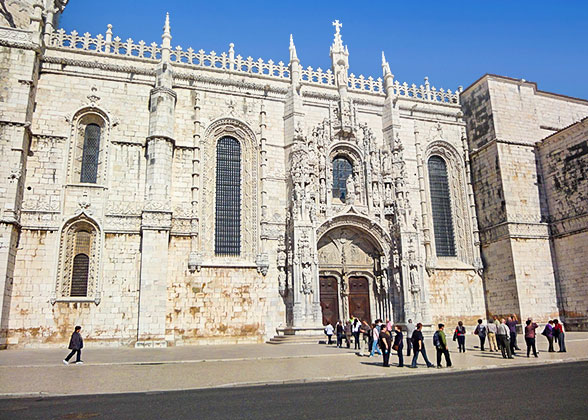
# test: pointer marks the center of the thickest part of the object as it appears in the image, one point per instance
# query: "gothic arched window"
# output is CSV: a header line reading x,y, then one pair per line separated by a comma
x,y
79,260
81,264
227,239
91,153
441,207
342,169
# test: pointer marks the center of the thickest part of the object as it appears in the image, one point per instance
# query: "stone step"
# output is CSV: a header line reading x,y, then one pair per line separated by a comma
x,y
296,339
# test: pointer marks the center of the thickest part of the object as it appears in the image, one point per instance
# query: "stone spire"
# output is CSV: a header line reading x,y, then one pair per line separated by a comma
x,y
166,40
164,71
388,76
293,56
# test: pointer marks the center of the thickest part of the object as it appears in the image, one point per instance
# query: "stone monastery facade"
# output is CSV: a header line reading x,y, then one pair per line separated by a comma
x,y
165,196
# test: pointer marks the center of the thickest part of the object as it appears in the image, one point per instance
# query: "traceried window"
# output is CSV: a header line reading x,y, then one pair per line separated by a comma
x,y
81,264
91,153
342,170
79,259
227,239
441,207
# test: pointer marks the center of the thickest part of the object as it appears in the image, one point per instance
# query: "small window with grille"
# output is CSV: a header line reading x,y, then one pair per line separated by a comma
x,y
342,169
91,154
441,207
227,239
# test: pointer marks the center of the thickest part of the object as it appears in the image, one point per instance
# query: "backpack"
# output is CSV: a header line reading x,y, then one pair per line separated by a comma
x,y
436,339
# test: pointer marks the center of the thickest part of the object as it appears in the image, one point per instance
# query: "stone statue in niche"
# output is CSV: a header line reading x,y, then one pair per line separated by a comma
x,y
306,278
376,196
387,170
414,279
350,185
323,190
282,281
375,161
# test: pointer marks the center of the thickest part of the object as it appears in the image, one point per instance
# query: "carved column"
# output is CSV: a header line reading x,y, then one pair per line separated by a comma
x,y
194,261
477,263
262,260
156,217
423,199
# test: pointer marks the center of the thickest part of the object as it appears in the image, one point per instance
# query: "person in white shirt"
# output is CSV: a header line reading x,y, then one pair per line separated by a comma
x,y
329,330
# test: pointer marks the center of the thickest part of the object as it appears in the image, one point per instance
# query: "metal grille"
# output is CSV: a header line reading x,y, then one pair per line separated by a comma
x,y
79,275
441,206
342,168
91,153
81,264
227,239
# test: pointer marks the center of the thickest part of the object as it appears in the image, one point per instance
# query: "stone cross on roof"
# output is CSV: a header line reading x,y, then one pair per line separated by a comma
x,y
337,25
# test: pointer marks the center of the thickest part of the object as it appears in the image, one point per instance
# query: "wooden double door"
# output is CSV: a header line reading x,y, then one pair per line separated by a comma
x,y
358,299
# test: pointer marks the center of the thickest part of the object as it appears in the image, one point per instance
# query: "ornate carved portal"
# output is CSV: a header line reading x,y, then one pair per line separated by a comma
x,y
352,279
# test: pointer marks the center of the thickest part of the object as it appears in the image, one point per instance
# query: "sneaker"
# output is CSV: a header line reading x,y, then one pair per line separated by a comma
x,y
65,362
79,363
431,366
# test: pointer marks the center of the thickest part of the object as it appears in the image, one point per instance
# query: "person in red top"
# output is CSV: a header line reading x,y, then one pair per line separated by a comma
x,y
530,336
559,335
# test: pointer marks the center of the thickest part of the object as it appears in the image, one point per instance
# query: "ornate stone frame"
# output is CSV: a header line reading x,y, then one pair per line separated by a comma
x,y
377,236
65,259
80,119
352,153
240,131
462,228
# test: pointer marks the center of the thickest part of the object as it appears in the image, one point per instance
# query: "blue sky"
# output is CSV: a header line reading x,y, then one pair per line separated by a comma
x,y
452,42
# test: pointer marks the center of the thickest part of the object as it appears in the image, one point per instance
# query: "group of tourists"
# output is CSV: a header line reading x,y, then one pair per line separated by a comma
x,y
382,338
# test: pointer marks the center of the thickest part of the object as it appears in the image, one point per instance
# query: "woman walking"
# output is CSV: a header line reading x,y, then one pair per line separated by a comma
x,y
530,337
558,326
460,335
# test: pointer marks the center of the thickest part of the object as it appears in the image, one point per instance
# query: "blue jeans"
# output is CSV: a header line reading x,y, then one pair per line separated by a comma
x,y
416,355
375,348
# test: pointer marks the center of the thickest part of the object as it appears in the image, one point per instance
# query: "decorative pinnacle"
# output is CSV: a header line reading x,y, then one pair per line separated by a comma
x,y
293,56
385,65
166,37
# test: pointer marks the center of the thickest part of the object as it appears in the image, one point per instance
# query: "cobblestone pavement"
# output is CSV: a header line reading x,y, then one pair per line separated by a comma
x,y
115,370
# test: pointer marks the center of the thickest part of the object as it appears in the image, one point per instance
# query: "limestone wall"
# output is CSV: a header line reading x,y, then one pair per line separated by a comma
x,y
456,295
564,166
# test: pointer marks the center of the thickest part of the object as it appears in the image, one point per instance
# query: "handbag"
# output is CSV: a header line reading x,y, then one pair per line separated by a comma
x,y
395,347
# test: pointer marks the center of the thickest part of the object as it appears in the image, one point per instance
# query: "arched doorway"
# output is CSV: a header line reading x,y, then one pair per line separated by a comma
x,y
349,262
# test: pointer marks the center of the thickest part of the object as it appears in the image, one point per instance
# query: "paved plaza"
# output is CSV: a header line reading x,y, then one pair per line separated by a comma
x,y
117,370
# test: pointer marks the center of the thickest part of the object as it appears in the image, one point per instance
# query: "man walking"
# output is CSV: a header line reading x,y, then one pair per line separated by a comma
x,y
409,331
440,343
503,340
398,345
492,330
418,345
76,343
480,331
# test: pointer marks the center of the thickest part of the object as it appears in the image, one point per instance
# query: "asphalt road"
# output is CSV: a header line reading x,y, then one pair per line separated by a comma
x,y
543,392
